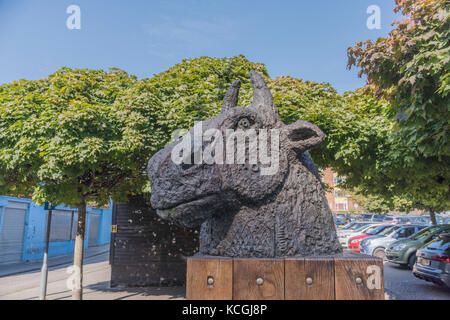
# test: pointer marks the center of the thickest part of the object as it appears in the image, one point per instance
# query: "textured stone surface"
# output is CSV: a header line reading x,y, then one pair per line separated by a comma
x,y
241,212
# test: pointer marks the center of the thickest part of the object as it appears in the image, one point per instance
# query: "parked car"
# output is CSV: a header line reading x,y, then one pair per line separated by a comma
x,y
342,216
403,252
388,219
403,219
346,217
339,223
445,220
433,261
351,226
344,236
375,245
355,241
377,218
426,220
365,217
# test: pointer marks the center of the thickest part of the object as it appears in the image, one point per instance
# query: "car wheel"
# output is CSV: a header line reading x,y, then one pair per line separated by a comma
x,y
379,253
412,260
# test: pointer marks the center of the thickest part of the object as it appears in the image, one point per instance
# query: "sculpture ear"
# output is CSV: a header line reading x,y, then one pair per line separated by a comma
x,y
303,135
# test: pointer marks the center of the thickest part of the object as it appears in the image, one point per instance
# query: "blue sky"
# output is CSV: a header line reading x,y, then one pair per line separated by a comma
x,y
306,39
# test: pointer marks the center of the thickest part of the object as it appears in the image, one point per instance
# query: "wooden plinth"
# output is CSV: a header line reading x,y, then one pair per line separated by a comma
x,y
341,277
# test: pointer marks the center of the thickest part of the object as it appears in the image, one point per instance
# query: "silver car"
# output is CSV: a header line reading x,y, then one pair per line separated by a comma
x,y
344,236
376,245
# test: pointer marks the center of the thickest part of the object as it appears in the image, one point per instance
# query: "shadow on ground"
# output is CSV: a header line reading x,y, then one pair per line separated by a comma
x,y
56,264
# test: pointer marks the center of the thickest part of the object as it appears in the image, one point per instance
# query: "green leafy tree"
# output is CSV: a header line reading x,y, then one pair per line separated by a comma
x,y
410,68
380,204
193,90
76,137
356,125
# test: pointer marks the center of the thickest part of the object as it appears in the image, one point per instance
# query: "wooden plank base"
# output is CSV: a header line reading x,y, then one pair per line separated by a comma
x,y
340,277
258,279
209,279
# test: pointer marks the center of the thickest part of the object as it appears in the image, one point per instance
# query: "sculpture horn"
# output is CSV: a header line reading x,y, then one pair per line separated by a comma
x,y
232,96
261,93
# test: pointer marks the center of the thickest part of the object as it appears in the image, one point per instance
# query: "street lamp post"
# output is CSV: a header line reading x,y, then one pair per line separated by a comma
x,y
44,270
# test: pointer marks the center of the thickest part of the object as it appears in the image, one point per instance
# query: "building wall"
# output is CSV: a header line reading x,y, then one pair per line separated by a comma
x,y
146,250
338,199
105,226
36,224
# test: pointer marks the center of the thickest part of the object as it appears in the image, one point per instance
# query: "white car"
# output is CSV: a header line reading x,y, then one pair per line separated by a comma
x,y
352,226
347,234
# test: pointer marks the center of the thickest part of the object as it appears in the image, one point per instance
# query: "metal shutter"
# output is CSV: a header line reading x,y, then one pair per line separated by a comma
x,y
74,225
94,226
12,235
61,222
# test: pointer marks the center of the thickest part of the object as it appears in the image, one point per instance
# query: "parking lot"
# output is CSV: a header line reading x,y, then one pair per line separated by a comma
x,y
398,240
400,284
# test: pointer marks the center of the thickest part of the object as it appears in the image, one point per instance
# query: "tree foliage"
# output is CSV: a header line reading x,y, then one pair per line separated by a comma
x,y
91,132
356,125
410,68
380,204
76,135
193,90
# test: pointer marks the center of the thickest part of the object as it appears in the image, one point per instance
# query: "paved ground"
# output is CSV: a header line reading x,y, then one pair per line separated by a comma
x,y
24,267
25,286
399,283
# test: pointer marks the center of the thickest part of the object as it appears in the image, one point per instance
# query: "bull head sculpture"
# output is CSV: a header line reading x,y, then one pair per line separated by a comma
x,y
245,209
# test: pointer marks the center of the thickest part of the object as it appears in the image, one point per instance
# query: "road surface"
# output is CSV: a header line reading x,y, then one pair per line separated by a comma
x,y
400,284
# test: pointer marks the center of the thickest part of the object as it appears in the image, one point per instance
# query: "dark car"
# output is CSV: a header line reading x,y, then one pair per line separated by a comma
x,y
344,217
433,261
339,223
378,218
365,217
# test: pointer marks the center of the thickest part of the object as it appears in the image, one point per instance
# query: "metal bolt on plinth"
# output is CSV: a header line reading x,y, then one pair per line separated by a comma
x,y
259,281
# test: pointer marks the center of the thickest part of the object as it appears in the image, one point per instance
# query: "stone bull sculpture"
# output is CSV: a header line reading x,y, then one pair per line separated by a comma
x,y
243,212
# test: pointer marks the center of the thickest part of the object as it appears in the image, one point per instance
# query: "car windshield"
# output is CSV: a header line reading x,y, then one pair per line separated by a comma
x,y
388,230
425,233
440,243
403,219
347,226
378,230
359,226
370,229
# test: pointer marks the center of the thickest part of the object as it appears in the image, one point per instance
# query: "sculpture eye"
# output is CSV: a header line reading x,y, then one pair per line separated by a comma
x,y
243,124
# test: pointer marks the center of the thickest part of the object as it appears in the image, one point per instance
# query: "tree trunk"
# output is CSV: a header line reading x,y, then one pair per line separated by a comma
x,y
77,275
433,217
